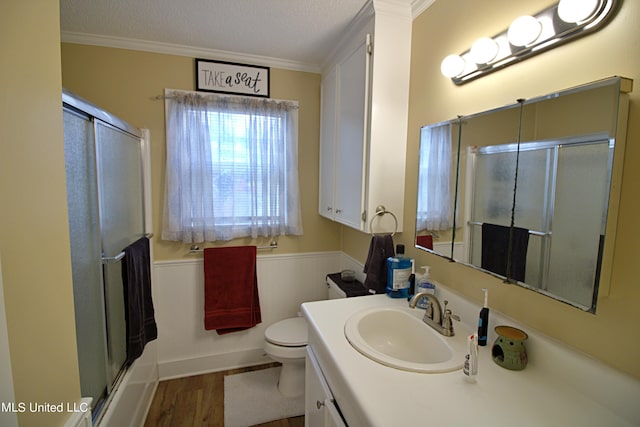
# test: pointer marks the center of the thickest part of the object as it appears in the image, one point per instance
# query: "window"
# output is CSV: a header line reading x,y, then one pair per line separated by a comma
x,y
232,167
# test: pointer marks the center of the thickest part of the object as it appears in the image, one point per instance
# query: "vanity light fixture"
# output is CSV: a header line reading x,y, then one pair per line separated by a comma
x,y
574,11
528,36
452,66
524,30
484,50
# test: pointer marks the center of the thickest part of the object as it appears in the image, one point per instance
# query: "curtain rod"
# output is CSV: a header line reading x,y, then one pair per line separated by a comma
x,y
232,97
194,249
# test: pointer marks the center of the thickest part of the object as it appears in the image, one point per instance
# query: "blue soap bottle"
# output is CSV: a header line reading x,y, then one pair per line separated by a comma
x,y
399,268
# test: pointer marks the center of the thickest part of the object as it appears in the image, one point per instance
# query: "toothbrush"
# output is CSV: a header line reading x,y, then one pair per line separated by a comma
x,y
483,320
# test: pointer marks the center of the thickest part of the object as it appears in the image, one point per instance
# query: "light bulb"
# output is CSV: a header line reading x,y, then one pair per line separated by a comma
x,y
573,11
524,30
484,50
452,66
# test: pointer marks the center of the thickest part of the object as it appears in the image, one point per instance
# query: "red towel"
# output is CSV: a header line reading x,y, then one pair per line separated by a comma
x,y
425,241
230,289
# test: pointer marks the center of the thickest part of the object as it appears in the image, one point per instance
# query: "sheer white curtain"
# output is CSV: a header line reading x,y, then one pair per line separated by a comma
x,y
232,167
434,179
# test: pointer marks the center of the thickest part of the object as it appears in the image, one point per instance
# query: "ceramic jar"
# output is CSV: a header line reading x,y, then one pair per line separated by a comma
x,y
508,350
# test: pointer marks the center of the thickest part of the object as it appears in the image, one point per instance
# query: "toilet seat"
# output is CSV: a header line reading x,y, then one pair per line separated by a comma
x,y
288,332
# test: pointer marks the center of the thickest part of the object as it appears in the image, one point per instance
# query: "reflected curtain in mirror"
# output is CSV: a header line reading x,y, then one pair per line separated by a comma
x,y
434,179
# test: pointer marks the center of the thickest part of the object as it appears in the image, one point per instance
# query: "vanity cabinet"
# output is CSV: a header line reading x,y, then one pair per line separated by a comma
x,y
364,111
320,408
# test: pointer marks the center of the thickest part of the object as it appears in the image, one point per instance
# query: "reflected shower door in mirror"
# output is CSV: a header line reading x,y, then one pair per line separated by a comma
x,y
538,189
559,217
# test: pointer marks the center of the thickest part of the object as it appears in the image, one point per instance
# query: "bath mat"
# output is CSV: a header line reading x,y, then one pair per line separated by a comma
x,y
253,398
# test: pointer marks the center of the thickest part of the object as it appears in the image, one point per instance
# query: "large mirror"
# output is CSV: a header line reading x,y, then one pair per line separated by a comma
x,y
528,192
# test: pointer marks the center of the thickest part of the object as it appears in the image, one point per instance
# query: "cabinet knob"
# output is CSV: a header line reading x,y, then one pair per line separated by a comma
x,y
338,211
329,208
319,404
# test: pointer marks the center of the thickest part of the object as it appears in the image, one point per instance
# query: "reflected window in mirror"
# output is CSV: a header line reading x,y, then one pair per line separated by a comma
x,y
436,184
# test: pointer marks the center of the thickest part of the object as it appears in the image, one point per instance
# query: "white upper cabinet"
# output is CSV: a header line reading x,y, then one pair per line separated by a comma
x,y
365,95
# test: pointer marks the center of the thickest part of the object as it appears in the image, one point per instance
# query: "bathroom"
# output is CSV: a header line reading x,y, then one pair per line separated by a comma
x,y
38,302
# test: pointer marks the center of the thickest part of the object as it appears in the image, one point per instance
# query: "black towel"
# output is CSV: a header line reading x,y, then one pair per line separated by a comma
x,y
352,289
139,313
380,249
495,250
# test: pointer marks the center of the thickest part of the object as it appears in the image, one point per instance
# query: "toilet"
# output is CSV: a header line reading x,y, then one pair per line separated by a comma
x,y
286,342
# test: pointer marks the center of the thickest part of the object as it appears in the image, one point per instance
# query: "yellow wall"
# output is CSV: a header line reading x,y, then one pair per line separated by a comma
x,y
124,81
34,243
34,238
612,335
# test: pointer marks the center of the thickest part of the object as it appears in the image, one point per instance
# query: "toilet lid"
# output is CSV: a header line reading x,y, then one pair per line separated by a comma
x,y
288,332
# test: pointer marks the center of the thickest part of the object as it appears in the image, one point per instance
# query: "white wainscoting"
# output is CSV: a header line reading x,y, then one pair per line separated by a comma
x,y
186,348
445,248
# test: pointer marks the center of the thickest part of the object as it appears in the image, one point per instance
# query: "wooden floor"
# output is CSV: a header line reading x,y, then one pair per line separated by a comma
x,y
199,401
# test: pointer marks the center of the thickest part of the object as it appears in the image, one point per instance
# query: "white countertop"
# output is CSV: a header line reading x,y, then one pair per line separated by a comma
x,y
370,394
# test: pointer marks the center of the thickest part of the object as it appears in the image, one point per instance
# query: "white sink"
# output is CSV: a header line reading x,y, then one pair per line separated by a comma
x,y
397,337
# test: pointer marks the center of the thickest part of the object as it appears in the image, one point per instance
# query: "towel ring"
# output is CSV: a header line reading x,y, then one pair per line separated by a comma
x,y
381,211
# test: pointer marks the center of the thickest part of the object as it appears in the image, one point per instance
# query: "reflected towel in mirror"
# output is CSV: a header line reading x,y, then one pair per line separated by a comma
x,y
495,250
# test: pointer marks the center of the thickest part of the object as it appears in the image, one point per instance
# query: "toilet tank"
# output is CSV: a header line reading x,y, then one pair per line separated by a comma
x,y
337,288
333,290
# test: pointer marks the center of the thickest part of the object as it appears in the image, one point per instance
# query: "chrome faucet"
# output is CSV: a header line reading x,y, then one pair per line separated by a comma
x,y
434,315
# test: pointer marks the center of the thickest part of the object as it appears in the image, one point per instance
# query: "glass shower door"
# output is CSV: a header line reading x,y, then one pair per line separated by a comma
x,y
122,223
106,214
84,234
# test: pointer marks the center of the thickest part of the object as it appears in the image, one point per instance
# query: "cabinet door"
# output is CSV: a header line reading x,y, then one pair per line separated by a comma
x,y
320,409
332,417
352,100
328,113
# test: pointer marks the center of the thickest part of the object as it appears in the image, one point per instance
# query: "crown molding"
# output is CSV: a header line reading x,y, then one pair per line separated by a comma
x,y
182,50
419,6
399,8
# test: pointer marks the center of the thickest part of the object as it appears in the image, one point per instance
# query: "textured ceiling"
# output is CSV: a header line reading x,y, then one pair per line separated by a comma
x,y
301,31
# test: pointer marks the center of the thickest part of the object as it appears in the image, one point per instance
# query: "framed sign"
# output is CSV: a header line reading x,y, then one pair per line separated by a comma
x,y
232,78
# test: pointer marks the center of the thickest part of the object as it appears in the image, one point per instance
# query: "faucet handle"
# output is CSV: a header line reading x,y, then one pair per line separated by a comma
x,y
448,314
447,324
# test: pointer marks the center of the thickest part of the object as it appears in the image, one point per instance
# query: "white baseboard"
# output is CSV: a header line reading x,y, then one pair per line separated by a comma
x,y
212,363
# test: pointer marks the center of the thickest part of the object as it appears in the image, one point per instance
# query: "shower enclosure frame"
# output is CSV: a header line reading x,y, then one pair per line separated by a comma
x,y
553,148
100,119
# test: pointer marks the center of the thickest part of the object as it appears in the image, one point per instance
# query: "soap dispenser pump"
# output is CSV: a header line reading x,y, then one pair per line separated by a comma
x,y
425,284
